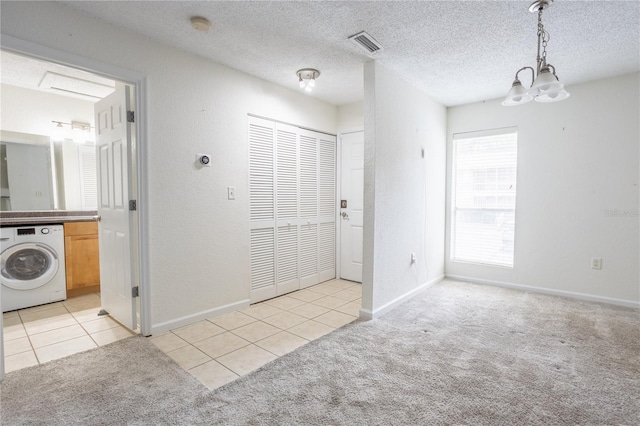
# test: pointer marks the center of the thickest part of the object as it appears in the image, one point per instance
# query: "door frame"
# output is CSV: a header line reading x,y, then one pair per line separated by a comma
x,y
139,83
342,132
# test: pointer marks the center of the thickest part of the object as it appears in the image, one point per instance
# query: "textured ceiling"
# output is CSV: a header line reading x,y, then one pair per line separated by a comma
x,y
456,51
29,73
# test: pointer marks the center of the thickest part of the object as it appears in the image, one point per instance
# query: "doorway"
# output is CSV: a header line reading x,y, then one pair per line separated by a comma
x,y
137,263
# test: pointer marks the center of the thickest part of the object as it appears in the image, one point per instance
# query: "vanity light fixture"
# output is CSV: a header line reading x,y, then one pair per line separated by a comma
x,y
545,86
74,125
307,78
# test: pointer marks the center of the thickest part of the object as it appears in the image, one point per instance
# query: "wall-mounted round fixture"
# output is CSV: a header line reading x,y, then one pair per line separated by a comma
x,y
307,78
200,23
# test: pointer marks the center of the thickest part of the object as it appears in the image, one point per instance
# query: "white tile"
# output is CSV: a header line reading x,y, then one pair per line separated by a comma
x,y
100,324
311,330
221,344
324,289
261,310
85,301
341,284
285,302
47,324
246,359
20,360
306,295
13,329
284,320
40,308
56,336
309,310
213,374
281,343
255,331
111,335
84,315
352,308
329,302
198,331
32,316
168,342
17,346
232,320
189,357
10,314
348,295
335,319
66,348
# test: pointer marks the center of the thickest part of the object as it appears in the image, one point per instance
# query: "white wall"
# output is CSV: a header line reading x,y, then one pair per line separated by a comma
x,y
404,193
577,167
199,240
351,116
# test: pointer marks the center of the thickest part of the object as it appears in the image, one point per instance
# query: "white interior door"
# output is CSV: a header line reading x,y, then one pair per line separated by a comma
x,y
113,167
351,192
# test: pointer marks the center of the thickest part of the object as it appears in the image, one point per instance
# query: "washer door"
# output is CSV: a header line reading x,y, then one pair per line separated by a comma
x,y
28,265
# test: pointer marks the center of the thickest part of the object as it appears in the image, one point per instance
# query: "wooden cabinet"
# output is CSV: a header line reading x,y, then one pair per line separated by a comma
x,y
82,258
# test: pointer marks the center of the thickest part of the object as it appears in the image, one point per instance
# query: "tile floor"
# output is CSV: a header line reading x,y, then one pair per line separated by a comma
x,y
216,351
43,333
220,349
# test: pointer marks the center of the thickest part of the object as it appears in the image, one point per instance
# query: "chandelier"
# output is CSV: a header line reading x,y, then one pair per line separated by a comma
x,y
545,86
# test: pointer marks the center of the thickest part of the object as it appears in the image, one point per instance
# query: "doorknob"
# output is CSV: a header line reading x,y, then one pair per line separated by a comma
x,y
344,215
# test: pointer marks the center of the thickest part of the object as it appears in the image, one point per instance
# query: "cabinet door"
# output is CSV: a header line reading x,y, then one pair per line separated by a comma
x,y
82,261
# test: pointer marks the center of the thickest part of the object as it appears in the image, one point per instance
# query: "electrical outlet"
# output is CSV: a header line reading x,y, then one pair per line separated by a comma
x,y
231,192
596,263
413,258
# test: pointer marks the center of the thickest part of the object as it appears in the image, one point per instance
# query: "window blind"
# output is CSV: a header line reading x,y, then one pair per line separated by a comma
x,y
484,193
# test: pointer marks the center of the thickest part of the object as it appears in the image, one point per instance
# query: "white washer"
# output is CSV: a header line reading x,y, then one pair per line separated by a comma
x,y
32,271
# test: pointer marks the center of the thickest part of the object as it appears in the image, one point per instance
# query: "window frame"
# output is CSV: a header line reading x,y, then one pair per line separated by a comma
x,y
480,211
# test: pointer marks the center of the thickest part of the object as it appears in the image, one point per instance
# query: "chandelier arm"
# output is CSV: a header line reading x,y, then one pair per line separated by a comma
x,y
533,73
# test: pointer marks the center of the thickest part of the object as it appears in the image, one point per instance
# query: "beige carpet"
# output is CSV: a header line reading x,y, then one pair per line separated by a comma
x,y
455,354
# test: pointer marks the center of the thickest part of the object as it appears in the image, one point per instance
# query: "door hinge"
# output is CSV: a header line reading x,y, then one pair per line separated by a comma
x,y
135,292
133,205
131,117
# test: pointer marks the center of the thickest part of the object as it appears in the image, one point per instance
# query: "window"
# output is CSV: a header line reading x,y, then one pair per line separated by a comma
x,y
484,196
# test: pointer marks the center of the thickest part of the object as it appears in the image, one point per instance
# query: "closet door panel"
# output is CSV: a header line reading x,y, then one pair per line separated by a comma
x,y
308,177
308,255
287,260
327,207
263,274
262,209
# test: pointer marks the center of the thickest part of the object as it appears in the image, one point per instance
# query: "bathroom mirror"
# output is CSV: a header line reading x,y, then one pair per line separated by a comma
x,y
38,174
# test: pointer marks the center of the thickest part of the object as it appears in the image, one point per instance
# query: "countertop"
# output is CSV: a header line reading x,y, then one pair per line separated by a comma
x,y
46,217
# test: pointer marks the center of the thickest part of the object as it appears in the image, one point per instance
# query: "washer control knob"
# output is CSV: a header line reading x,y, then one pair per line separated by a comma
x,y
45,231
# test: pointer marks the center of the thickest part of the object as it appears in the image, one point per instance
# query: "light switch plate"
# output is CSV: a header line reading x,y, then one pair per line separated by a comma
x,y
231,192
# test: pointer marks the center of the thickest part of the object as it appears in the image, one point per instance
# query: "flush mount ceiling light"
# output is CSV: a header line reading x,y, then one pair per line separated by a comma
x,y
307,78
200,23
545,86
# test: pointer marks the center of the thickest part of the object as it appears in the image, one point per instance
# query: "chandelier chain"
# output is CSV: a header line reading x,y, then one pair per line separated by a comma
x,y
543,36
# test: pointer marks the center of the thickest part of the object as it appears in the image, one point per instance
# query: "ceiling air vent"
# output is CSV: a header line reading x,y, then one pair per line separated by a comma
x,y
76,86
366,42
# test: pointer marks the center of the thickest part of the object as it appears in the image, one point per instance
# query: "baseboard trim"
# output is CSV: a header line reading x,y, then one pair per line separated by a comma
x,y
562,293
369,315
190,319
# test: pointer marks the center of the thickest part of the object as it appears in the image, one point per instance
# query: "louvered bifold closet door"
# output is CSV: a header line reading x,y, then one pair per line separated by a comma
x,y
308,208
287,278
262,209
327,208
